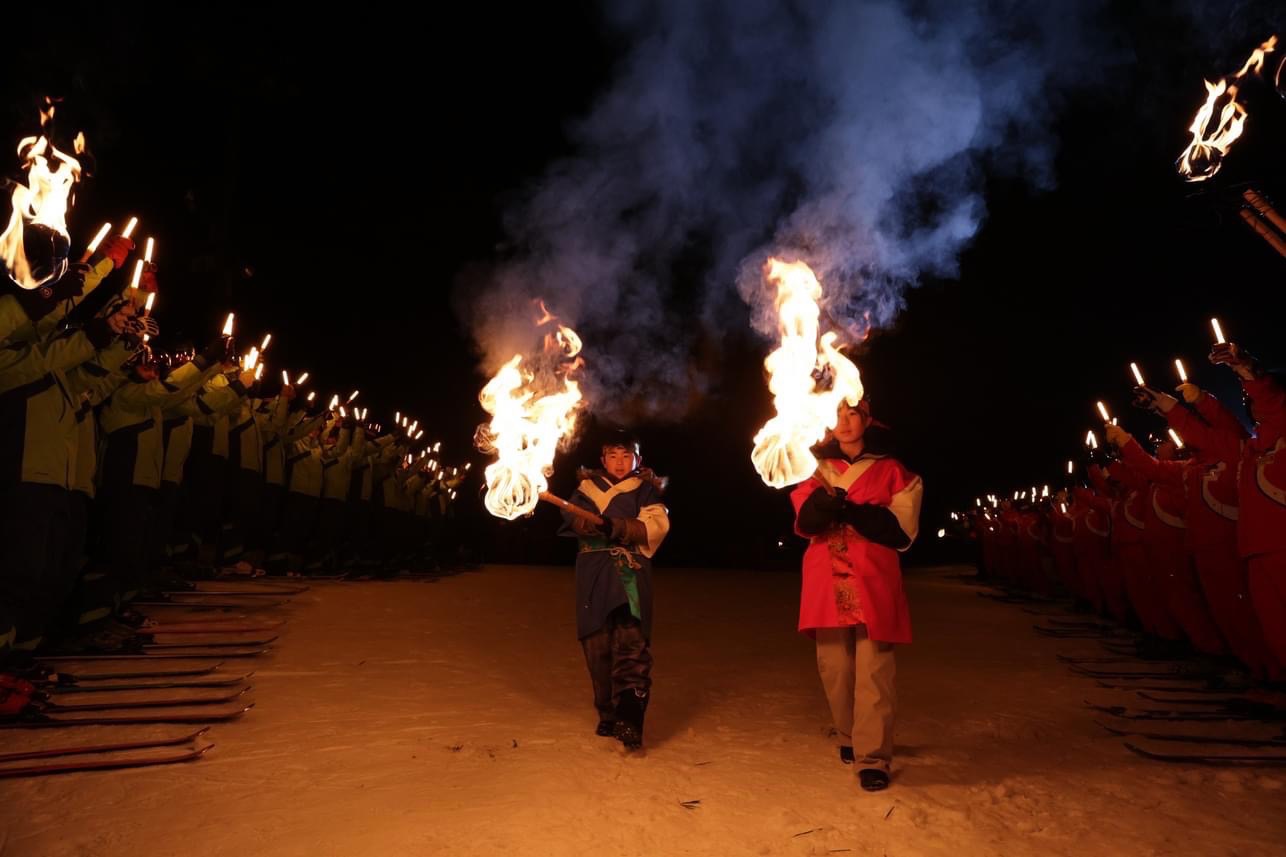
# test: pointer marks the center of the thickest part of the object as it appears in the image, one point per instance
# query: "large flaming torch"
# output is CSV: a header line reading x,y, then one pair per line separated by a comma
x,y
808,377
533,405
41,203
1211,140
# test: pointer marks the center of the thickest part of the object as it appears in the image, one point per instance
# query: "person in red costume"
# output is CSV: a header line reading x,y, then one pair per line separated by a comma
x,y
858,511
1169,558
1258,507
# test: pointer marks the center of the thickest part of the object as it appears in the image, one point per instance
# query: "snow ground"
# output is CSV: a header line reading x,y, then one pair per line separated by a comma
x,y
418,718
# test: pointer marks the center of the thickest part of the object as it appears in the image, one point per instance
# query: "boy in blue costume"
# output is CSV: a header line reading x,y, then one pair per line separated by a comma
x,y
614,583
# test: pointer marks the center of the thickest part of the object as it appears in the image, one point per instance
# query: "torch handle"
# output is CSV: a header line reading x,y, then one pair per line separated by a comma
x,y
583,514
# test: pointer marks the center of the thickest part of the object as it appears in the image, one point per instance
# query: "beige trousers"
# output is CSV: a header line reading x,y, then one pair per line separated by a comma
x,y
857,675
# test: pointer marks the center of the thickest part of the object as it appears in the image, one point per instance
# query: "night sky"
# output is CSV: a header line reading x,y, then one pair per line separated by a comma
x,y
335,180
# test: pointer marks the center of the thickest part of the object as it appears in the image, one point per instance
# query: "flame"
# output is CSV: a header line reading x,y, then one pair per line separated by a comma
x,y
1102,409
227,325
42,201
1071,468
1183,374
129,227
353,395
151,299
285,378
251,359
151,246
259,371
1174,435
267,338
1138,376
782,453
1091,440
1205,153
138,274
533,406
1214,325
301,379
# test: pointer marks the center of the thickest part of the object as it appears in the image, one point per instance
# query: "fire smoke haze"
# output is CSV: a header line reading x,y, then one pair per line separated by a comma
x,y
853,135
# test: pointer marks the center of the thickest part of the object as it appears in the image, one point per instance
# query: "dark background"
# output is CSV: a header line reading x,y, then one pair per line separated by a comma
x,y
329,177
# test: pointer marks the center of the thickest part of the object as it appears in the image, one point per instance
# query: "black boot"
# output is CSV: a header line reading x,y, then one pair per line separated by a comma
x,y
606,729
629,718
873,779
846,754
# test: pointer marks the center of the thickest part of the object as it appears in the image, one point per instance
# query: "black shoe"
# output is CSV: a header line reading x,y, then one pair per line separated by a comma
x,y
629,735
846,754
873,779
629,719
606,729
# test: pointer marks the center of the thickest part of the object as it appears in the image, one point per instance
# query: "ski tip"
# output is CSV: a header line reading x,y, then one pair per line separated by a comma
x,y
198,733
201,751
247,675
244,690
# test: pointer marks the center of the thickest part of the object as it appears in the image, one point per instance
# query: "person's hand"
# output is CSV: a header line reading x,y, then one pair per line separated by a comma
x,y
1230,354
1191,393
1116,435
116,248
1153,400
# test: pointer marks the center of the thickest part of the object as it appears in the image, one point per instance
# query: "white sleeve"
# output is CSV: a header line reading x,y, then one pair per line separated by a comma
x,y
657,521
906,508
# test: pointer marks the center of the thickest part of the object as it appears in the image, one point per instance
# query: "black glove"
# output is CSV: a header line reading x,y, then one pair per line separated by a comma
x,y
875,523
820,511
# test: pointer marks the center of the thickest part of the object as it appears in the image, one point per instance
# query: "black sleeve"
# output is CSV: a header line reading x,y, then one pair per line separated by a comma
x,y
874,523
819,512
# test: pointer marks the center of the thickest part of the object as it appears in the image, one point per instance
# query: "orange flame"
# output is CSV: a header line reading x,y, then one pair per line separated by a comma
x,y
43,201
533,409
1205,153
782,454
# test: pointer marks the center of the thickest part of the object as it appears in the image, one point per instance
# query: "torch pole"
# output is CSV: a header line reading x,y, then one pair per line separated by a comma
x,y
583,514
